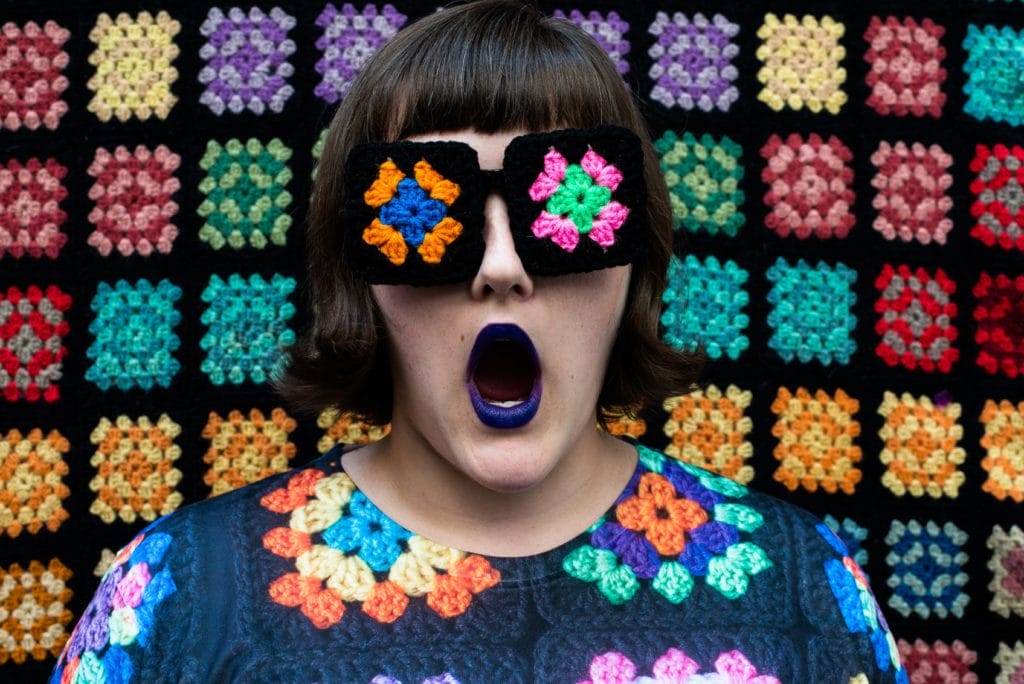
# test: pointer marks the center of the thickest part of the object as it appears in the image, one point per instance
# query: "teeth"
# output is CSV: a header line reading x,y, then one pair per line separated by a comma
x,y
505,404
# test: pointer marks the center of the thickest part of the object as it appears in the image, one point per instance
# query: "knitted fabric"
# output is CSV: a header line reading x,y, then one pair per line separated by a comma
x,y
703,178
350,38
32,471
1010,660
244,450
915,323
812,313
927,564
905,73
390,565
674,523
247,327
30,212
851,535
810,186
122,617
922,453
134,339
136,475
675,666
626,426
445,678
35,614
704,304
998,188
574,198
32,331
693,61
801,60
995,59
608,30
1007,566
246,59
31,75
860,611
345,428
816,440
1000,317
413,212
938,663
133,66
105,563
709,428
912,198
246,196
133,206
565,217
1003,441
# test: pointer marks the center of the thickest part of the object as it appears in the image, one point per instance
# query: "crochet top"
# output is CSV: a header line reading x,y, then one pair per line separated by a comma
x,y
689,577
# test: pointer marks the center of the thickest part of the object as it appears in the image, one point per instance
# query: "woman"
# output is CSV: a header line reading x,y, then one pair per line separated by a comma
x,y
488,241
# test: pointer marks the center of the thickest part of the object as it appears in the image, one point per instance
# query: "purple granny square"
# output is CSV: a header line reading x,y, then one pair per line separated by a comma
x,y
693,61
350,38
246,60
608,31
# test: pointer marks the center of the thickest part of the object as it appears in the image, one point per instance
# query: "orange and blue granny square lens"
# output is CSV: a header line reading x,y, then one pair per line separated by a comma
x,y
414,211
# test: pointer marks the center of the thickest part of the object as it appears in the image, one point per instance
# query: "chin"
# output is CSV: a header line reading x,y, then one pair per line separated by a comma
x,y
508,470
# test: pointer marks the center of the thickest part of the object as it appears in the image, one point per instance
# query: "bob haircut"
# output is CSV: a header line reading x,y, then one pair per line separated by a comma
x,y
493,66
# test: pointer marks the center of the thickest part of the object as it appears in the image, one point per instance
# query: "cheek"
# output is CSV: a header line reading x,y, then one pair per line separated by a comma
x,y
607,299
403,321
418,324
596,307
408,310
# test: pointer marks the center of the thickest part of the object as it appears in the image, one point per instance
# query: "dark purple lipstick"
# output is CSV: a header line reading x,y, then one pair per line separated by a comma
x,y
503,377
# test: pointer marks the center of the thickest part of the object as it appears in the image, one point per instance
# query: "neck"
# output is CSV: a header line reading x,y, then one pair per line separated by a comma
x,y
420,489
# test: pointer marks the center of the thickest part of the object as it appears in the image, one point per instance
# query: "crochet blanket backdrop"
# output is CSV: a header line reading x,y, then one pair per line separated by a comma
x,y
848,187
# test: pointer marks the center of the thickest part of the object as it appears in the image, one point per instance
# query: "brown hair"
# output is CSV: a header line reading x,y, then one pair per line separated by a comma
x,y
492,65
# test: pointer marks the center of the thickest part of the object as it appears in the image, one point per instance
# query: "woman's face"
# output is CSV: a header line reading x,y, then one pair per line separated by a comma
x,y
500,375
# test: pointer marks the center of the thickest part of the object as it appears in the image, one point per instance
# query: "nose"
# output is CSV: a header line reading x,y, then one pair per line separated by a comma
x,y
501,273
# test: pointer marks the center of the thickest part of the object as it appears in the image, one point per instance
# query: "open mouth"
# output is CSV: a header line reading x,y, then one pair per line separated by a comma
x,y
503,376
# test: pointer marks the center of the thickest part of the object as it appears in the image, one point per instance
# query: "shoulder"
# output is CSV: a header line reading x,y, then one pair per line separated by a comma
x,y
684,545
112,636
172,579
815,570
212,515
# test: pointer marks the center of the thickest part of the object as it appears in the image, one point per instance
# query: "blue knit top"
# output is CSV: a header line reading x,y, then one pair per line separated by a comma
x,y
689,577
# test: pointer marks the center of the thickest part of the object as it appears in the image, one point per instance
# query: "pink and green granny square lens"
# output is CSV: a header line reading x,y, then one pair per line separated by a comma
x,y
414,211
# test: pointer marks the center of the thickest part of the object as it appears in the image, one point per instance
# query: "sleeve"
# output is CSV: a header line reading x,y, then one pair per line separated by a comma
x,y
854,645
114,640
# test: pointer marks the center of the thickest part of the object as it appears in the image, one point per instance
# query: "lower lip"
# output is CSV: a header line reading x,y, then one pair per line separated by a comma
x,y
493,415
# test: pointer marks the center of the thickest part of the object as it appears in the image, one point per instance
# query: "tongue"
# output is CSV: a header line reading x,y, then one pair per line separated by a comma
x,y
505,372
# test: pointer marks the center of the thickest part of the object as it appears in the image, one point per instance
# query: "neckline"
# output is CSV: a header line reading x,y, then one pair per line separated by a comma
x,y
331,462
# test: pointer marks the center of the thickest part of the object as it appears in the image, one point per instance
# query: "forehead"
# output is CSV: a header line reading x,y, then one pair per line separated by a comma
x,y
490,147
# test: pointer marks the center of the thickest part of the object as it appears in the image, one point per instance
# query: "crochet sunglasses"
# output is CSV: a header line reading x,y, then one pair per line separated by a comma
x,y
414,211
